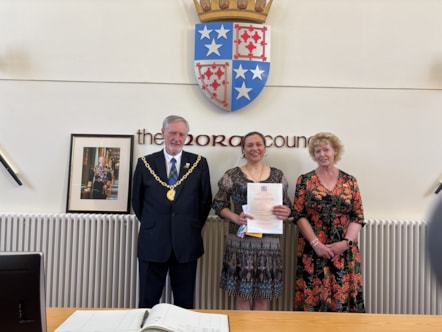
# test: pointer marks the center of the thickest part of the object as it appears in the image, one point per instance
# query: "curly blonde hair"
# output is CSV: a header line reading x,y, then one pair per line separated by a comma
x,y
324,138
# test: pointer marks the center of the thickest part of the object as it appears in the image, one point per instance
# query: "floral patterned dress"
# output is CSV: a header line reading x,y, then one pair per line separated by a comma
x,y
323,284
252,267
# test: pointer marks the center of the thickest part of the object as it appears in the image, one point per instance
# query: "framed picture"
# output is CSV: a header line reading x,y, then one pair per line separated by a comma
x,y
100,173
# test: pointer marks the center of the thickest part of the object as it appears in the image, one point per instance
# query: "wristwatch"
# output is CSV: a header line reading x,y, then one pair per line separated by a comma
x,y
349,242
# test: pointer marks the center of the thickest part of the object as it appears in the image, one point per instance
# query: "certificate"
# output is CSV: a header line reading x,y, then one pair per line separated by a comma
x,y
261,198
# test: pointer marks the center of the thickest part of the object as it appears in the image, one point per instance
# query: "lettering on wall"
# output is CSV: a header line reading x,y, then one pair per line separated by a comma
x,y
212,140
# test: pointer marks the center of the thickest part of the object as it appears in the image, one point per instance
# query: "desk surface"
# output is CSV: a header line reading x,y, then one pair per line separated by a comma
x,y
281,321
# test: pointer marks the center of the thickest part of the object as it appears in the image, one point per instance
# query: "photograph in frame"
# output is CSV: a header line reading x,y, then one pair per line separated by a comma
x,y
100,173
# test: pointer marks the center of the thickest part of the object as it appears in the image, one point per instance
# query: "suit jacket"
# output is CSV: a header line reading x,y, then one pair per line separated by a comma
x,y
171,225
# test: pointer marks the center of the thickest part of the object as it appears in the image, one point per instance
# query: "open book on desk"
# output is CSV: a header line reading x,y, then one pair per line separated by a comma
x,y
162,317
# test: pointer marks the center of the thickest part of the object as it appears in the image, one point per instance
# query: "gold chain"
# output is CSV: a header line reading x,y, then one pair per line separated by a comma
x,y
164,184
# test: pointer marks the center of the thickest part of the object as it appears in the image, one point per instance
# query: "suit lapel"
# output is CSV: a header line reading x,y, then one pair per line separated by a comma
x,y
160,166
185,164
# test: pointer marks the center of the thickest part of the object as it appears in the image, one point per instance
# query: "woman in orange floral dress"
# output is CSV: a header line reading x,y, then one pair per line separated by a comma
x,y
329,214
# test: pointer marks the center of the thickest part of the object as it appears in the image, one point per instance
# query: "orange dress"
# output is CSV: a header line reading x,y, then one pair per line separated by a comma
x,y
323,284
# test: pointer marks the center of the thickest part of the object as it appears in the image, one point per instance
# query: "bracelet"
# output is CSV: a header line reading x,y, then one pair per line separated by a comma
x,y
314,242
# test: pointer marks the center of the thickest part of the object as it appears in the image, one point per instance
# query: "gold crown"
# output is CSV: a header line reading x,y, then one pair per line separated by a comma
x,y
255,11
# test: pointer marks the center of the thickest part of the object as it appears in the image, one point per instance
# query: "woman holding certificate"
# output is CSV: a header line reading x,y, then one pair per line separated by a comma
x,y
328,211
252,265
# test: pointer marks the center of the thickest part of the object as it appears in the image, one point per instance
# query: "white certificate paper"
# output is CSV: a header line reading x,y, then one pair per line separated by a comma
x,y
261,198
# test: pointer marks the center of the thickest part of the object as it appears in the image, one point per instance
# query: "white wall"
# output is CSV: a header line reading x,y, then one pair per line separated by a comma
x,y
369,71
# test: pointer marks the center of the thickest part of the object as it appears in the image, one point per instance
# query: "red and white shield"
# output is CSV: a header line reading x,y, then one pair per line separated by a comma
x,y
232,62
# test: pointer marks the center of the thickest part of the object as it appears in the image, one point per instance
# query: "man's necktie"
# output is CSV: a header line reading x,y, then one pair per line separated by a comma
x,y
173,174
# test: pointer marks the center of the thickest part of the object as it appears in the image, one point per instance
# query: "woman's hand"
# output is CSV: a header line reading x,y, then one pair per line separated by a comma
x,y
242,218
323,251
281,211
338,247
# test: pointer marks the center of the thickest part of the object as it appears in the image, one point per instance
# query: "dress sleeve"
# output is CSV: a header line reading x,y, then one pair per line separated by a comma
x,y
299,200
222,197
357,214
285,187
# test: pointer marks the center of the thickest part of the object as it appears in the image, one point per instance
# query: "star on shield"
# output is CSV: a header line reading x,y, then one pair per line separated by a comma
x,y
232,62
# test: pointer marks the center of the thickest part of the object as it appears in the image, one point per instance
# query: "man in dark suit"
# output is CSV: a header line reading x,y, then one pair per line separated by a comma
x,y
172,215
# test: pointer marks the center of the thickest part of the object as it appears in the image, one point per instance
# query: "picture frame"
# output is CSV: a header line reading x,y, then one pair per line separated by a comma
x,y
100,173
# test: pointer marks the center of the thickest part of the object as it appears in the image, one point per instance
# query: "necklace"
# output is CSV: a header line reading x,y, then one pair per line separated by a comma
x,y
251,175
171,193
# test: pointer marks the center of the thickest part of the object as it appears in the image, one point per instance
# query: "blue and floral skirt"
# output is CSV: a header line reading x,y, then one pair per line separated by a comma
x,y
252,267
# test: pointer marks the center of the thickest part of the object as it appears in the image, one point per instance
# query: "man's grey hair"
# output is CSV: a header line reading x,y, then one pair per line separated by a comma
x,y
174,118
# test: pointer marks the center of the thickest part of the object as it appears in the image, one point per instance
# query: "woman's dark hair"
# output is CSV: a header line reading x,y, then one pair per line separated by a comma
x,y
243,141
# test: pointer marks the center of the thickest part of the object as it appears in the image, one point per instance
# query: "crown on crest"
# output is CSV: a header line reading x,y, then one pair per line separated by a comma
x,y
255,11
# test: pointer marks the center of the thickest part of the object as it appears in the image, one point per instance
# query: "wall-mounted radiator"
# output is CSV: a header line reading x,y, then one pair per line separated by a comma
x,y
91,262
397,273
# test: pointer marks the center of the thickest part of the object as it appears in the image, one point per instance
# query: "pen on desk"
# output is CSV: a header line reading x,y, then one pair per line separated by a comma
x,y
146,314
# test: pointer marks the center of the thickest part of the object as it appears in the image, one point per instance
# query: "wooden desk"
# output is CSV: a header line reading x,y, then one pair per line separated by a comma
x,y
282,321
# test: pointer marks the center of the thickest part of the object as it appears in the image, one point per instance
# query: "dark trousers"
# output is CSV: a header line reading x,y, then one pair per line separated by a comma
x,y
153,278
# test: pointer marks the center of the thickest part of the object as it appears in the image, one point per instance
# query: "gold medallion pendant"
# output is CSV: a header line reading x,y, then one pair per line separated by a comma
x,y
170,195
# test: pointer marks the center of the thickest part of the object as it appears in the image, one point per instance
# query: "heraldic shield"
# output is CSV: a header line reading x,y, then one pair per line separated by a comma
x,y
232,62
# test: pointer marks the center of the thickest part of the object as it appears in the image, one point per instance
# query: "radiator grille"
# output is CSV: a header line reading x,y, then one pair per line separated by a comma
x,y
91,261
397,273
